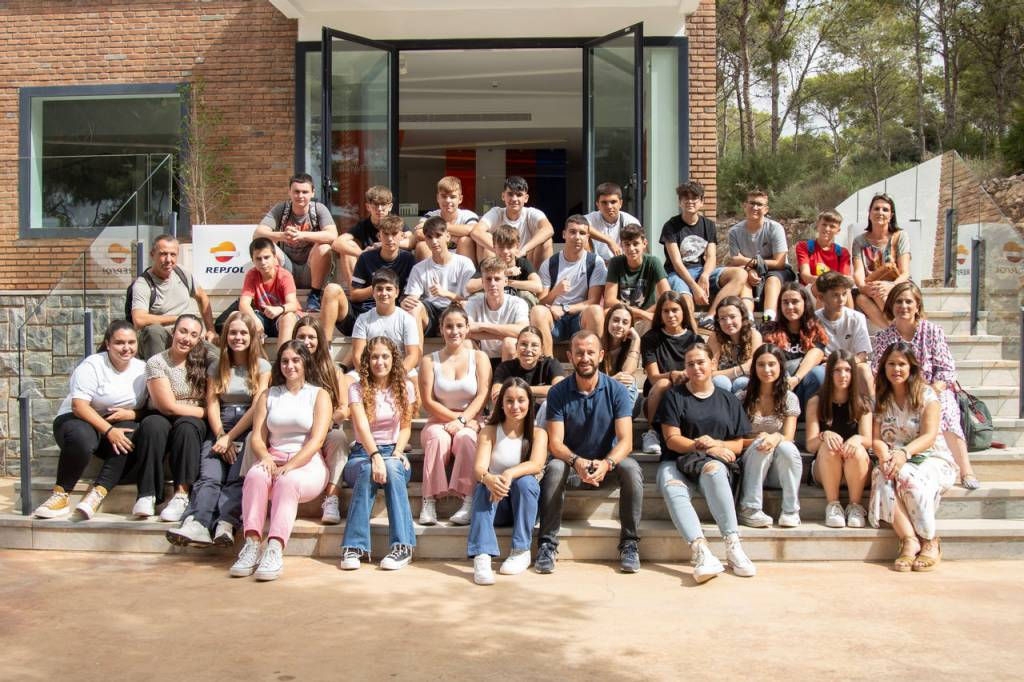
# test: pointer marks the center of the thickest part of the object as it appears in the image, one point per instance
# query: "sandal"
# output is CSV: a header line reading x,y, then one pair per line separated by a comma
x,y
928,562
905,561
970,482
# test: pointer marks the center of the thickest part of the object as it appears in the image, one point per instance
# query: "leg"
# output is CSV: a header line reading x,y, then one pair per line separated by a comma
x,y
464,246
114,466
335,451
772,289
654,396
867,381
755,470
592,318
872,310
285,326
184,443
357,525
958,446
714,483
213,471
730,283
319,265
150,446
508,349
298,485
524,497
785,471
229,503
540,317
464,451
829,473
255,497
540,254
631,498
153,339
396,497
437,447
809,385
482,538
77,441
676,492
856,469
331,308
552,494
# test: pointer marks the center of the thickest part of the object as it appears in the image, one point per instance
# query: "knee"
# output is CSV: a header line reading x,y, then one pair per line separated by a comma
x,y
526,486
508,348
540,315
788,450
711,468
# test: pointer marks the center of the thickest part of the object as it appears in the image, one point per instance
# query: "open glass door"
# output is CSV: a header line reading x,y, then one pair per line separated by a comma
x,y
613,115
359,145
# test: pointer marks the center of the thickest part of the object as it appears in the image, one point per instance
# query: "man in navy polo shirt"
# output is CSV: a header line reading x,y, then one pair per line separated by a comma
x,y
590,435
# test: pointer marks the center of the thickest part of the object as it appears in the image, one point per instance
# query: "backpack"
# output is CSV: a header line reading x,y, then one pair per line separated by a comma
x,y
286,213
975,419
191,286
810,248
554,265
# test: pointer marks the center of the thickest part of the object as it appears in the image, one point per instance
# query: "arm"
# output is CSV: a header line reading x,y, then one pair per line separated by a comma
x,y
598,235
260,435
119,438
206,312
654,373
361,427
632,350
343,411
413,354
776,262
321,424
165,402
361,294
812,359
358,346
143,318
531,284
538,456
675,259
483,382
543,234
677,442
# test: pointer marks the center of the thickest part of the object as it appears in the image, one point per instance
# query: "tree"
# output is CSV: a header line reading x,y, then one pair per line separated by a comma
x,y
205,179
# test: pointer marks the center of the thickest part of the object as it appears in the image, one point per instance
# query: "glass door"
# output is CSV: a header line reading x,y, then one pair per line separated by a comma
x,y
613,115
359,144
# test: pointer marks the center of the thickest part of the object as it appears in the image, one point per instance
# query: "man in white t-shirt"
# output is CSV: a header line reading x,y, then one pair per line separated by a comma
x,y
496,318
847,328
535,230
460,220
437,282
608,220
573,287
387,319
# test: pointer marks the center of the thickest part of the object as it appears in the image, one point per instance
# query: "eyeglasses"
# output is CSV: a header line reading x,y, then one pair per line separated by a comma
x,y
757,204
382,207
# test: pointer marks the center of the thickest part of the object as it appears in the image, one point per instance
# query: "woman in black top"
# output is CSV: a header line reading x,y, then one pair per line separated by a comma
x,y
539,371
802,338
838,431
662,351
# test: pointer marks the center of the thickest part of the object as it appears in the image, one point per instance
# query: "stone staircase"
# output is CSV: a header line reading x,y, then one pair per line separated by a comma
x,y
981,524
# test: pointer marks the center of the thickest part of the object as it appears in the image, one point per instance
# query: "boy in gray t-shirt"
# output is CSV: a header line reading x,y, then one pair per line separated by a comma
x,y
758,244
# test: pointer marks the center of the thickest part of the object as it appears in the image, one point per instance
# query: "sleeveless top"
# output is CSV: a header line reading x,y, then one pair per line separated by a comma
x,y
290,417
507,452
455,394
843,423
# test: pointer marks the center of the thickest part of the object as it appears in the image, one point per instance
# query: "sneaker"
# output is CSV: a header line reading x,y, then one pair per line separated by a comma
x,y
175,509
190,532
144,507
224,534
737,559
482,573
834,515
398,557
247,560
629,557
755,518
313,302
707,322
271,563
855,515
789,519
650,441
57,505
428,512
705,564
462,517
89,505
331,515
351,558
518,561
545,562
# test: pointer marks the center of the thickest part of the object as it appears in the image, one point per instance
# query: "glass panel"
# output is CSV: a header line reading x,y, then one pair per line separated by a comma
x,y
360,141
662,135
312,146
612,86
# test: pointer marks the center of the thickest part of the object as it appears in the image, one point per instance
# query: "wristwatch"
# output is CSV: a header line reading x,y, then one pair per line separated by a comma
x,y
565,309
572,460
461,420
611,463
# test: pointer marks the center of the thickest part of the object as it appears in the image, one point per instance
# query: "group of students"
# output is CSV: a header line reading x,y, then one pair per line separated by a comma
x,y
243,436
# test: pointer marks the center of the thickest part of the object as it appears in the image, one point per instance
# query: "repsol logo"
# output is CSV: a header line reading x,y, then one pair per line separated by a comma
x,y
224,269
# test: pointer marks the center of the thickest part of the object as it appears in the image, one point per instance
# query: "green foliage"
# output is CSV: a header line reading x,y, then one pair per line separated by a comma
x,y
206,180
1013,144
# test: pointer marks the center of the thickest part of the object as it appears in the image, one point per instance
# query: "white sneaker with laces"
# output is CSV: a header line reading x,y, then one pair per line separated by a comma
x,y
351,558
247,560
271,563
428,512
856,515
755,518
332,514
518,561
482,573
192,532
737,558
705,564
144,507
464,514
398,557
834,515
224,534
175,509
650,442
789,519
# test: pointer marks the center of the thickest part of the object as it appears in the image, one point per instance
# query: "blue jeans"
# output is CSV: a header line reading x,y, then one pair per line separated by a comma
x,y
357,475
677,283
809,385
780,468
518,507
734,386
566,326
678,494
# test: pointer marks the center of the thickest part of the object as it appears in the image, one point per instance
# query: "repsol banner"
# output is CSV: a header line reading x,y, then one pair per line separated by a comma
x,y
220,255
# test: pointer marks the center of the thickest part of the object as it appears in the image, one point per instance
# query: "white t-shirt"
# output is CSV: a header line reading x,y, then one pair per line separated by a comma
x,y
766,242
96,380
576,273
513,310
463,217
849,332
598,222
399,326
528,222
452,276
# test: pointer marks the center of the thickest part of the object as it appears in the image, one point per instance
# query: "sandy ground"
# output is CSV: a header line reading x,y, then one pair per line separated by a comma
x,y
91,616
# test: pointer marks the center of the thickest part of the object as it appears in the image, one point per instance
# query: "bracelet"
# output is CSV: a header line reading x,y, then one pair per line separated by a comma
x,y
107,432
375,453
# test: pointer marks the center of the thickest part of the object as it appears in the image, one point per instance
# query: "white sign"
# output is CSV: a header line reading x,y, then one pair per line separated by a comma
x,y
220,256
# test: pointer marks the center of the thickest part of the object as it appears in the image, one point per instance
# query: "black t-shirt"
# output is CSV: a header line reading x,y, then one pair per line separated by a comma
x,y
365,233
792,348
720,416
842,424
369,262
525,270
542,374
668,351
693,240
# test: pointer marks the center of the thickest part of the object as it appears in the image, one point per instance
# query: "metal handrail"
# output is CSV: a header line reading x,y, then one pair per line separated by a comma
x,y
976,246
1020,367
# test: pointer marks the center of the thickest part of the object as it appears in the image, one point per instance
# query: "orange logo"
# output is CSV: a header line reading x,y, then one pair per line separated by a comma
x,y
961,254
1014,252
118,253
224,252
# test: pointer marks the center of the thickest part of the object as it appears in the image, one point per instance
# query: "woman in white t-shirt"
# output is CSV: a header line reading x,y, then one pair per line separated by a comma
x,y
98,417
510,454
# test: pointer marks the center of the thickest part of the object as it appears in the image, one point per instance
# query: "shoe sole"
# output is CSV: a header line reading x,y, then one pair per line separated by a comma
x,y
58,515
483,581
343,567
543,570
854,525
629,569
506,571
789,525
396,566
224,541
267,576
743,572
756,524
704,577
833,524
241,572
330,522
458,523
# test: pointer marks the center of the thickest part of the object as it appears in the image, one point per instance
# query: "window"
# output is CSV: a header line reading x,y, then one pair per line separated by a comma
x,y
92,156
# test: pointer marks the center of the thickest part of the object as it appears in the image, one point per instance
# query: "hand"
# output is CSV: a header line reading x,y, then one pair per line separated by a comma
x,y
556,312
792,382
766,442
624,378
722,454
678,377
831,440
705,443
596,475
212,336
561,288
120,414
891,467
521,253
452,427
700,291
513,271
616,249
473,424
409,304
269,465
293,235
753,279
437,290
271,312
847,450
378,470
120,440
498,485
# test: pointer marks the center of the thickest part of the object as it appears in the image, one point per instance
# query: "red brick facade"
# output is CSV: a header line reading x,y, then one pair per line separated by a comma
x,y
703,82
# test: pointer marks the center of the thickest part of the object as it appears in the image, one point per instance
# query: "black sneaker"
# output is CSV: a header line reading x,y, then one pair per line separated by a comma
x,y
629,557
398,557
545,562
707,322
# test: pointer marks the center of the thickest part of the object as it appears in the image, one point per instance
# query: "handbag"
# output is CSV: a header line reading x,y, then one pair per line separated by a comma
x,y
886,271
975,419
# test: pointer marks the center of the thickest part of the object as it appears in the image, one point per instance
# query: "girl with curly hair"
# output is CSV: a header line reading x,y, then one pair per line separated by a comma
x,y
734,341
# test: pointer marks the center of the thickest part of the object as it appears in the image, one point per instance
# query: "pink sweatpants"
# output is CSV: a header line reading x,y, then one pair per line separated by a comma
x,y
283,495
437,447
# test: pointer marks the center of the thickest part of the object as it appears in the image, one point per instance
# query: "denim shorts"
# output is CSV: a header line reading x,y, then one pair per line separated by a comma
x,y
679,284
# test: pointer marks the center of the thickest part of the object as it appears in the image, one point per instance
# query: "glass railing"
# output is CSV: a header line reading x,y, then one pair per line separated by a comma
x,y
61,317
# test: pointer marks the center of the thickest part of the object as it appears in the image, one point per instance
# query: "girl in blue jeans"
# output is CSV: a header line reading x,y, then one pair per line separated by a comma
x,y
382,404
510,454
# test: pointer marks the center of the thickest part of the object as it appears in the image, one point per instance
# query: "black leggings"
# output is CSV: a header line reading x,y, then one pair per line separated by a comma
x,y
78,442
179,437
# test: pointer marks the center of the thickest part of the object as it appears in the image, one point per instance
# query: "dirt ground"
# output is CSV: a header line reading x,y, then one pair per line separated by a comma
x,y
91,616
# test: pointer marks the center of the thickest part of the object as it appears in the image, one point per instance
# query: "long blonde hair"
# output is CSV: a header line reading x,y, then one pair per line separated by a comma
x,y
395,384
253,354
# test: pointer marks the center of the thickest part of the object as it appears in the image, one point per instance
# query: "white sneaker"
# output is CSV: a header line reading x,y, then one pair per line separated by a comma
x,y
755,518
855,515
271,563
351,558
428,512
650,441
191,532
90,504
737,559
834,515
144,507
57,505
789,519
224,534
518,561
462,517
247,560
705,564
175,509
482,573
398,557
331,515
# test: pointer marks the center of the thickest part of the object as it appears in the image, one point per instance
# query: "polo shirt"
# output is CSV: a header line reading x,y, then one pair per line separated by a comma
x,y
589,419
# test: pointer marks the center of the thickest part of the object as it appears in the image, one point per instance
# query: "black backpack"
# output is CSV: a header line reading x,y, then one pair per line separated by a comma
x,y
286,213
554,264
152,290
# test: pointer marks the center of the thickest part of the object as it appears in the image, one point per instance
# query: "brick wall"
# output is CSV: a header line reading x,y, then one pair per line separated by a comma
x,y
244,50
703,83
